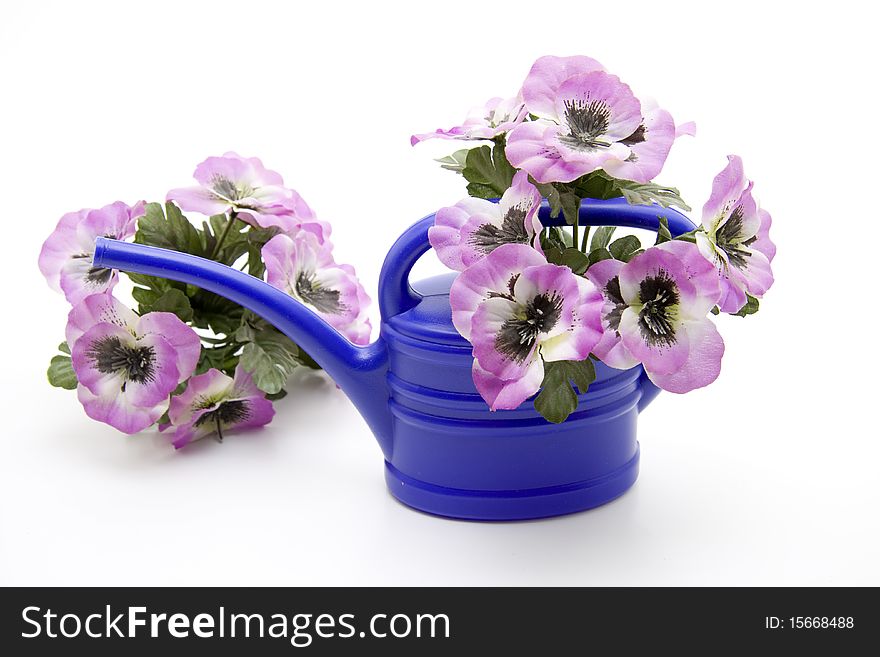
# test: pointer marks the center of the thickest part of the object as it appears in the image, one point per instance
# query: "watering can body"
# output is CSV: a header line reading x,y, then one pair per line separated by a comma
x,y
445,452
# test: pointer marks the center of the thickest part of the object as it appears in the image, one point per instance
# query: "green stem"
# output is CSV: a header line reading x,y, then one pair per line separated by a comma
x,y
584,240
574,233
232,218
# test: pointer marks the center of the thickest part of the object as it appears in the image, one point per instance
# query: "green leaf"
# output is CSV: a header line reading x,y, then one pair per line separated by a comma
x,y
625,247
215,312
556,238
690,236
61,374
575,260
750,307
597,185
571,206
168,229
649,193
256,240
307,361
275,396
602,237
599,255
63,348
455,162
663,234
488,169
557,399
479,190
270,358
551,193
219,358
715,310
173,301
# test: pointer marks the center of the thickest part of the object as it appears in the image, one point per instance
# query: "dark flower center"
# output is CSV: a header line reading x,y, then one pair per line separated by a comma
x,y
95,275
98,275
728,237
489,237
518,335
660,297
227,413
110,356
635,138
613,294
587,120
323,299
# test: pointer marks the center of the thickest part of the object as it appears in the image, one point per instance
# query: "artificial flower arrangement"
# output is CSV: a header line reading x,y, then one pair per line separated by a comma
x,y
539,303
187,360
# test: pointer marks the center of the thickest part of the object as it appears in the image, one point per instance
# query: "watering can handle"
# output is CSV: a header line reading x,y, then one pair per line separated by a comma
x,y
396,295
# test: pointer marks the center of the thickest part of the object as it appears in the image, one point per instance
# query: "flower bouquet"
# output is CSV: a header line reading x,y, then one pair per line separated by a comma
x,y
189,361
539,304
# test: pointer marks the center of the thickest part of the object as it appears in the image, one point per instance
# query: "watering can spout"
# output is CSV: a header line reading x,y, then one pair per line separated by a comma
x,y
359,371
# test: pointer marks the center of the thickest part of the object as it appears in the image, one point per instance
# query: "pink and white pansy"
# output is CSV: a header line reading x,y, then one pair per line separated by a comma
x,y
587,120
66,256
472,228
656,313
518,311
496,117
213,403
257,194
305,269
736,238
127,366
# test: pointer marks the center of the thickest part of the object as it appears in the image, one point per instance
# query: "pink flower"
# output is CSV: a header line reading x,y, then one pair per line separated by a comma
x,y
473,227
655,313
257,194
494,118
127,366
736,238
213,403
519,311
305,269
66,256
588,120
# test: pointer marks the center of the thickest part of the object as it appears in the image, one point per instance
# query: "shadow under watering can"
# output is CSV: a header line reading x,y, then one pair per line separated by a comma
x,y
445,452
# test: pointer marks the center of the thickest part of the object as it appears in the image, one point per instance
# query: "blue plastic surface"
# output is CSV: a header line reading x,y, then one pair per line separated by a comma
x,y
445,452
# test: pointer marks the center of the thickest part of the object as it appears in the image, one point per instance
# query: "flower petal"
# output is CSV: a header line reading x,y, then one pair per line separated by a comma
x,y
197,199
97,309
586,329
662,357
623,112
508,395
59,246
763,242
610,348
727,187
202,390
182,338
445,235
702,274
117,412
503,358
703,363
648,156
546,76
493,274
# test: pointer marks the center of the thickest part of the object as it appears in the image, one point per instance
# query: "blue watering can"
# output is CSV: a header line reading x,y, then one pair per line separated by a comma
x,y
445,452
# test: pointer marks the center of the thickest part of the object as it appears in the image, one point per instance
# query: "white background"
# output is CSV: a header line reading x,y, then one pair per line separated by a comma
x,y
769,476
